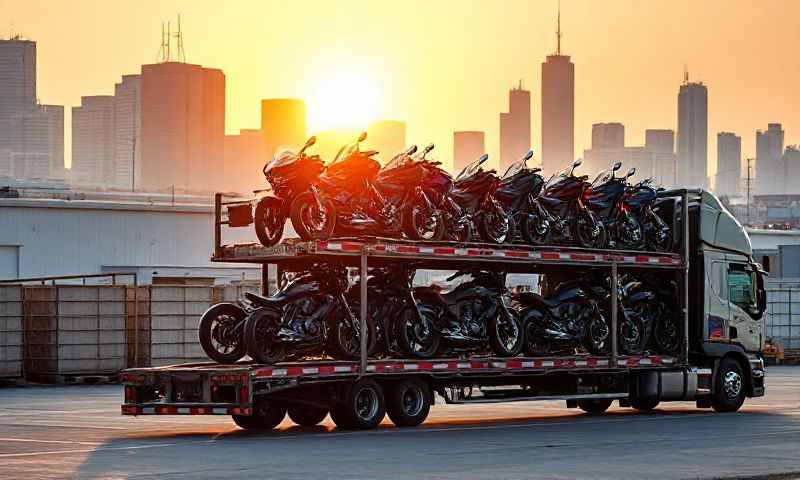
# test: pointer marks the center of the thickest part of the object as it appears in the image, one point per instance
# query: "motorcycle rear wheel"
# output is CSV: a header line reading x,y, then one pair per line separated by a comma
x,y
269,221
258,332
308,221
535,345
216,330
416,337
420,223
506,335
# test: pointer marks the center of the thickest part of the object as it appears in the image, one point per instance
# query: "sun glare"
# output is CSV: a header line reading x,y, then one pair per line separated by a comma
x,y
343,98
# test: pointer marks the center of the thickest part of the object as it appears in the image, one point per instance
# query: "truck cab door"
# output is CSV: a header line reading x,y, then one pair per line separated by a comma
x,y
745,325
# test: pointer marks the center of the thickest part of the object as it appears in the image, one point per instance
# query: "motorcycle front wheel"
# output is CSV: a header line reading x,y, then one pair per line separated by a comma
x,y
535,344
536,230
416,336
422,223
632,336
589,230
347,338
269,219
598,333
220,333
667,334
506,335
496,226
658,237
628,233
461,233
259,331
309,221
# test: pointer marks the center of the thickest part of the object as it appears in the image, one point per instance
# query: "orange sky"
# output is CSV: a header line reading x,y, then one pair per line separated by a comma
x,y
445,65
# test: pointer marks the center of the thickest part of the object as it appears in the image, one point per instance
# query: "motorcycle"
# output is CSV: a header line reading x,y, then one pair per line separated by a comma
x,y
654,233
471,317
474,193
666,333
605,199
560,213
309,315
438,186
518,188
362,198
570,318
288,176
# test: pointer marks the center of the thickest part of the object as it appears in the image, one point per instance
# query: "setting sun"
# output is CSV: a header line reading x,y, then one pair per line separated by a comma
x,y
345,98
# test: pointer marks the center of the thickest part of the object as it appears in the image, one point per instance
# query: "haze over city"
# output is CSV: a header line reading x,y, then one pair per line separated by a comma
x,y
441,66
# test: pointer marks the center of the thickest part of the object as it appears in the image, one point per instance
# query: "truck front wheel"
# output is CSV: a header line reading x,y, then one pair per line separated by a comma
x,y
408,402
729,391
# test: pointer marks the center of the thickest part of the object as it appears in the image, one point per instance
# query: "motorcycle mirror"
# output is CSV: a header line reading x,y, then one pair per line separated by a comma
x,y
412,150
310,141
362,137
483,158
617,166
529,155
577,163
427,149
631,172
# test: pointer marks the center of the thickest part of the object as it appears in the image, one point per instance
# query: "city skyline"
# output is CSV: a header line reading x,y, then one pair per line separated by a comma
x,y
608,82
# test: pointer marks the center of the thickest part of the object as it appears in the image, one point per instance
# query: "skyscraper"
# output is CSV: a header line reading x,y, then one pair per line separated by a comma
x,y
17,77
663,140
515,127
93,140
127,132
558,109
729,164
467,146
692,134
283,123
183,126
770,164
388,137
608,135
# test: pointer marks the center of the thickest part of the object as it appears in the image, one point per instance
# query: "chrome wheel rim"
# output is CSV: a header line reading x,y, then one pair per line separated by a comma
x,y
366,404
412,401
732,384
220,333
508,333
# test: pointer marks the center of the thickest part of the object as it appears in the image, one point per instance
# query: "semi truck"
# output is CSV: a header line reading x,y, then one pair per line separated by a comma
x,y
718,364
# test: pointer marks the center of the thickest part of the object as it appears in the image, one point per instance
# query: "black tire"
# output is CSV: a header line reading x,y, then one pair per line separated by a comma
x,y
346,341
305,219
266,416
495,225
658,239
535,343
536,230
643,404
667,334
598,334
408,402
463,235
362,406
416,339
584,230
307,416
629,233
729,386
419,223
270,220
594,406
217,332
632,338
506,335
258,331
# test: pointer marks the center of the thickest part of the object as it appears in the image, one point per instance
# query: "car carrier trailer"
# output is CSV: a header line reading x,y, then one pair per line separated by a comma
x,y
717,365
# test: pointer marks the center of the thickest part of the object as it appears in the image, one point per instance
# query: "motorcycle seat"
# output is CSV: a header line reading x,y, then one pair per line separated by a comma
x,y
261,300
531,299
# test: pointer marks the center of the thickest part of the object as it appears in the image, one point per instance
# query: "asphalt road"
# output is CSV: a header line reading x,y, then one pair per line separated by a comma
x,y
77,432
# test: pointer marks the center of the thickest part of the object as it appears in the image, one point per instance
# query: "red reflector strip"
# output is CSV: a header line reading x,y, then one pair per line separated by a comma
x,y
551,256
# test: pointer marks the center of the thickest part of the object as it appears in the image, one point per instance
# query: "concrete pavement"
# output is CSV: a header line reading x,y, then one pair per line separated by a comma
x,y
77,432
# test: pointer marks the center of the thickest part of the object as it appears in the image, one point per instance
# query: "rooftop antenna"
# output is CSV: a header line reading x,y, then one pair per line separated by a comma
x,y
558,31
685,74
163,50
179,38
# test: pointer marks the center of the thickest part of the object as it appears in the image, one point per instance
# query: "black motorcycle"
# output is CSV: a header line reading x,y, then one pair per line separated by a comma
x,y
438,187
309,315
604,199
560,214
517,190
289,176
471,317
653,232
570,318
474,192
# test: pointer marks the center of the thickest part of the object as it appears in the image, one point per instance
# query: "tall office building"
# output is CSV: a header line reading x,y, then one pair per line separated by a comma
x,y
729,164
183,126
283,123
127,133
692,134
608,135
558,109
515,127
663,140
388,137
467,146
93,141
17,77
651,160
770,164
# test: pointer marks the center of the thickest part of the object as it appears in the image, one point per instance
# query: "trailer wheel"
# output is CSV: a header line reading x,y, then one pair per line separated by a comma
x,y
361,408
594,407
408,402
307,416
729,391
643,404
266,416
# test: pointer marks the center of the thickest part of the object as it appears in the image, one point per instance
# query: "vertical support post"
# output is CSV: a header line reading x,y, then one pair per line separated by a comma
x,y
685,272
278,276
265,279
217,225
614,316
363,313
135,320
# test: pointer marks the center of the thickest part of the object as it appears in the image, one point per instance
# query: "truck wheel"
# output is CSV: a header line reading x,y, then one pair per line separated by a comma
x,y
594,407
362,407
729,392
266,416
307,416
643,404
408,402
